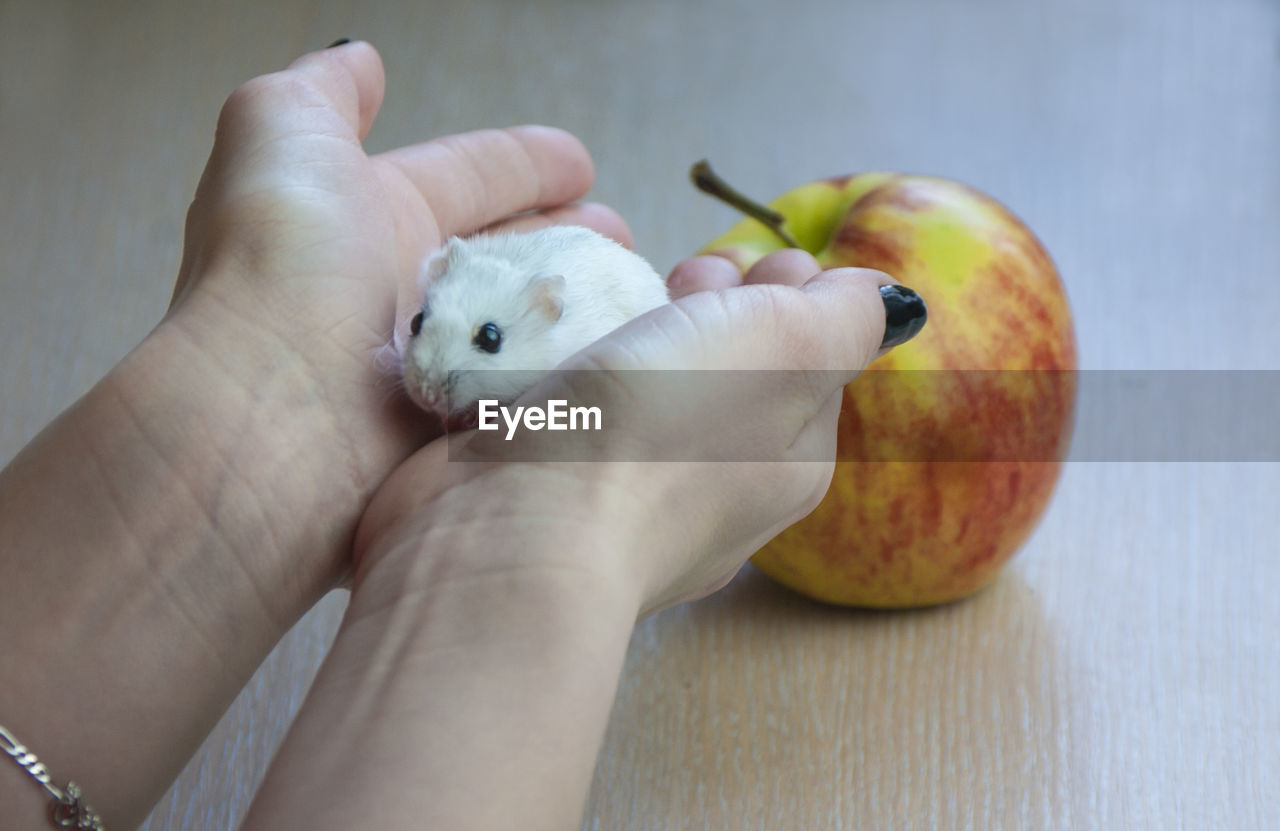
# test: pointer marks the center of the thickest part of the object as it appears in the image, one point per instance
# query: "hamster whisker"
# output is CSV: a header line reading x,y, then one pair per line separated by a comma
x,y
390,389
389,378
387,359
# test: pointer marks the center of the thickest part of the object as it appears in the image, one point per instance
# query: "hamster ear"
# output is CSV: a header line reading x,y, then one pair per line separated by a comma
x,y
544,296
438,262
434,266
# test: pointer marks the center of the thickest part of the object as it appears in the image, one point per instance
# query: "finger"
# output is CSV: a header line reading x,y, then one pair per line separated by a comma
x,y
705,273
834,322
787,267
855,331
334,91
475,179
352,77
821,335
593,215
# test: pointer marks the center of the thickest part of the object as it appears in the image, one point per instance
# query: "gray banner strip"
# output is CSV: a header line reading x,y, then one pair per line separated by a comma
x,y
1110,415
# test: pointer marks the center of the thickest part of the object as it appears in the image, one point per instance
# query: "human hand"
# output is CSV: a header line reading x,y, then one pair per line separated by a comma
x,y
300,247
166,530
743,454
494,598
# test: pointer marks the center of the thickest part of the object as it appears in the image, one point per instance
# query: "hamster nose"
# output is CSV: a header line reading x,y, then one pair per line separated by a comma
x,y
435,399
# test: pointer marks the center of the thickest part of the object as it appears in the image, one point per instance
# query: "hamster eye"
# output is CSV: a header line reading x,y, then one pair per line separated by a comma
x,y
415,325
488,337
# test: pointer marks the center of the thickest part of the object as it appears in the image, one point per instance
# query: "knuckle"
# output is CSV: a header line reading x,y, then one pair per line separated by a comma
x,y
793,318
266,95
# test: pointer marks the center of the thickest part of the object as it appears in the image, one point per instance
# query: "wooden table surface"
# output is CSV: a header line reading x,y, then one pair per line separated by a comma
x,y
1124,672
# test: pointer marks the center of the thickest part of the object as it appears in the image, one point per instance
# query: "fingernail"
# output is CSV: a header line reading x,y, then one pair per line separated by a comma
x,y
904,315
339,42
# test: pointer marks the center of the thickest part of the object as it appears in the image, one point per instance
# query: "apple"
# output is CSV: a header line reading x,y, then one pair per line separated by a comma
x,y
949,446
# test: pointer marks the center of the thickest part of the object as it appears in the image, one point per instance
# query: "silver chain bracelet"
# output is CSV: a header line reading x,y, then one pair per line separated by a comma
x,y
68,809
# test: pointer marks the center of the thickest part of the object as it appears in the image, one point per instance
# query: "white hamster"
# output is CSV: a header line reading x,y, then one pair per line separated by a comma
x,y
519,303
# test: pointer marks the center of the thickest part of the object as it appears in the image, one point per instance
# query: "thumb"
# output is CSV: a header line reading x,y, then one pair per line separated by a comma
x,y
272,124
835,321
863,312
351,76
335,91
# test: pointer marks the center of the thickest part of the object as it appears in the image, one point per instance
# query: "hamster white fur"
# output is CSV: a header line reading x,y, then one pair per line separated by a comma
x,y
517,302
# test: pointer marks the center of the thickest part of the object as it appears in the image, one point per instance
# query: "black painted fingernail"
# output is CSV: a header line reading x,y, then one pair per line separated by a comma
x,y
904,315
339,42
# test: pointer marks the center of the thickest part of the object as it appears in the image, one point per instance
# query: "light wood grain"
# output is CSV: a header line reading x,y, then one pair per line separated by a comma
x,y
1123,673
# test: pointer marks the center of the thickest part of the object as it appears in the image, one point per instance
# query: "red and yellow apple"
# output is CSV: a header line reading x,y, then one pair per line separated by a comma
x,y
949,446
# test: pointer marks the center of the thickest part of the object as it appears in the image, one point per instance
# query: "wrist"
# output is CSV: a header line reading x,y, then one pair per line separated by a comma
x,y
128,622
476,680
300,436
221,454
163,532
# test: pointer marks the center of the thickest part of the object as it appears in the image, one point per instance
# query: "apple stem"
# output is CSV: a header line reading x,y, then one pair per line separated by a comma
x,y
706,180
